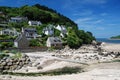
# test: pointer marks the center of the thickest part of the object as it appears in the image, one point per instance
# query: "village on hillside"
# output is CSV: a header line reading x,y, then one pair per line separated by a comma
x,y
29,36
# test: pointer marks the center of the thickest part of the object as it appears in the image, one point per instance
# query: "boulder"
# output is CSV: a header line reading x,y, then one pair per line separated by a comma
x,y
9,63
35,64
39,67
3,64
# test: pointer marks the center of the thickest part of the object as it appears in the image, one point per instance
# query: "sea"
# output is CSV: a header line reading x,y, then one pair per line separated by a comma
x,y
108,40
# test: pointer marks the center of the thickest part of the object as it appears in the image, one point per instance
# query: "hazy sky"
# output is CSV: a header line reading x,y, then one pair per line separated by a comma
x,y
101,17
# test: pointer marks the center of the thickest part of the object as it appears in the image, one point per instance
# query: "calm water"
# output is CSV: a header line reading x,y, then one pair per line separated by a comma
x,y
108,40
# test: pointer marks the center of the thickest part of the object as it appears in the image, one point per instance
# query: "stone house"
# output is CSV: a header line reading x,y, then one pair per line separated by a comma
x,y
9,32
30,33
34,23
18,19
55,42
21,41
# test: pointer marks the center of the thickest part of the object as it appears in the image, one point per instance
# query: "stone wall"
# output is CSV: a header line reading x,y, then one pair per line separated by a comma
x,y
29,49
11,64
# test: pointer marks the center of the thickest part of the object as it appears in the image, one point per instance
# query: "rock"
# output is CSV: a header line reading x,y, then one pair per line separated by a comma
x,y
8,60
39,67
3,63
26,70
17,63
35,64
9,63
9,76
7,67
4,58
14,67
1,67
18,67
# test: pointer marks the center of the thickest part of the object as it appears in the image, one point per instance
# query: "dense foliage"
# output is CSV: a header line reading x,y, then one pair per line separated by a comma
x,y
6,41
38,12
76,38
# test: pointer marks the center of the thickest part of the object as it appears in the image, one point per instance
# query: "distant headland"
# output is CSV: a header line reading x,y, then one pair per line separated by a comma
x,y
115,37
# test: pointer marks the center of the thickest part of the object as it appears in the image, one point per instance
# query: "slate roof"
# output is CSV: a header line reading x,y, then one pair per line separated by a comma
x,y
30,30
54,40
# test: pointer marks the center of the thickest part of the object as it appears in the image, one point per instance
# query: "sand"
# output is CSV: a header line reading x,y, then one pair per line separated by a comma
x,y
104,71
111,47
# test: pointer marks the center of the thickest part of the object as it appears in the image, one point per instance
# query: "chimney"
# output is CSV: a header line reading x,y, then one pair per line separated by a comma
x,y
22,30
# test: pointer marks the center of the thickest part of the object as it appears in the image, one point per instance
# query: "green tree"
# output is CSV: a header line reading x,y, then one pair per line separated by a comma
x,y
34,42
73,40
56,32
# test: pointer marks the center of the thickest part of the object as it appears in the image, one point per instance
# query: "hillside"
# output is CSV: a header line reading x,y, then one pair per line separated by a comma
x,y
50,19
37,12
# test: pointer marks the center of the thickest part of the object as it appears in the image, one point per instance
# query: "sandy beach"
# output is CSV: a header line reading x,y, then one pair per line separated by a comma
x,y
111,47
104,71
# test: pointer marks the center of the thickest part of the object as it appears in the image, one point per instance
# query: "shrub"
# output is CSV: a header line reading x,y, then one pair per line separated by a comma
x,y
34,42
3,55
17,55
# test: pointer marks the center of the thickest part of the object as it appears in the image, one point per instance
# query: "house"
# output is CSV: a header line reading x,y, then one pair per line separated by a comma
x,y
34,23
62,29
18,19
9,32
21,41
55,42
49,30
30,33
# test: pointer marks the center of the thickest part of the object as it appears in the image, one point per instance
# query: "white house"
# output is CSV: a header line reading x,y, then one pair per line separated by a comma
x,y
9,32
48,30
62,29
34,23
30,33
55,42
18,19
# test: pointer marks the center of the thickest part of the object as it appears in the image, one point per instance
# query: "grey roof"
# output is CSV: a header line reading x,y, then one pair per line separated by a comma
x,y
3,25
30,30
18,38
34,22
54,40
1,12
18,18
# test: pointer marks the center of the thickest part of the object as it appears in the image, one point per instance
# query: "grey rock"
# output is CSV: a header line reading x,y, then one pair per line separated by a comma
x,y
35,64
39,67
3,63
9,63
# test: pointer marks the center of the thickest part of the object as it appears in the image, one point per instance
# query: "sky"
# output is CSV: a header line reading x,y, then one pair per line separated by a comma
x,y
101,17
